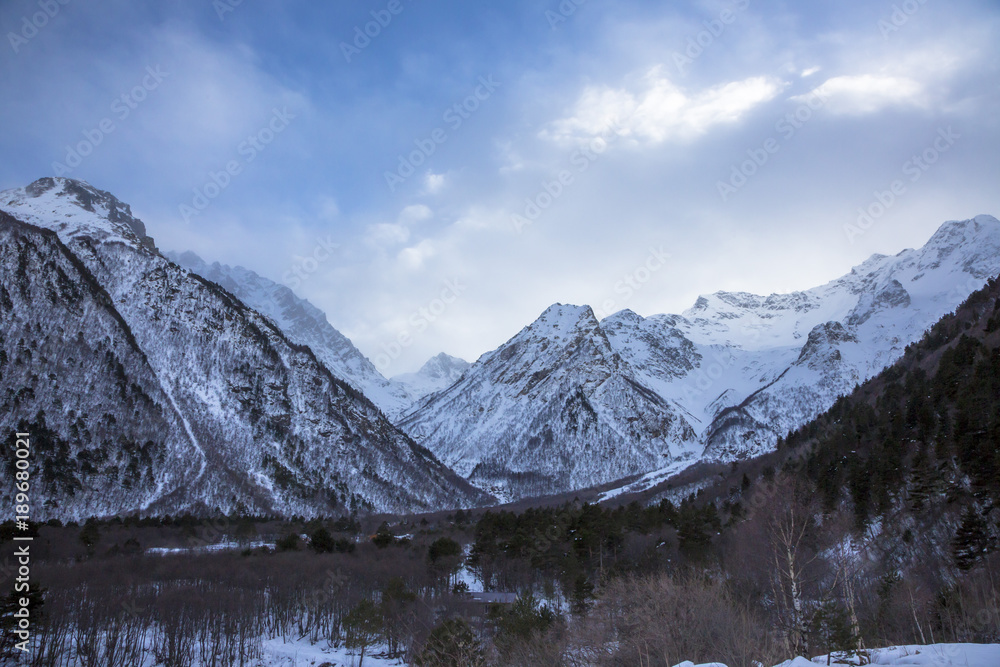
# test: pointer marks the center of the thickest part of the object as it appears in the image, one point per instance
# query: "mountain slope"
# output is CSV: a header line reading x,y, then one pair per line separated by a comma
x,y
782,359
737,370
274,430
69,386
304,323
552,409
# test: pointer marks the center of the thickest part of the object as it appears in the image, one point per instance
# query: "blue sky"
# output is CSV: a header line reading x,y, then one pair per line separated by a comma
x,y
620,154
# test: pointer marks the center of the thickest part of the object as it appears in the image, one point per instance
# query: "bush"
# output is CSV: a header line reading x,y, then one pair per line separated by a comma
x,y
288,543
443,547
451,644
322,541
384,536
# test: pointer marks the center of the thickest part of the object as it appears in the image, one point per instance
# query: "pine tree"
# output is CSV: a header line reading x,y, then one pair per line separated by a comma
x,y
451,644
831,630
362,626
971,541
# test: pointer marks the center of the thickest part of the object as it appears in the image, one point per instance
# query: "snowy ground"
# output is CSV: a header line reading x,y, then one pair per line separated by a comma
x,y
277,653
648,480
932,655
294,654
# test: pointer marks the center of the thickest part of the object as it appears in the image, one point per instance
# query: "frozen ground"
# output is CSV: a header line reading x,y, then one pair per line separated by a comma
x,y
932,655
278,653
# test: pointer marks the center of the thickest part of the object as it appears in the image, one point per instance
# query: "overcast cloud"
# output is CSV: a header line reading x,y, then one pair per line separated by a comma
x,y
512,154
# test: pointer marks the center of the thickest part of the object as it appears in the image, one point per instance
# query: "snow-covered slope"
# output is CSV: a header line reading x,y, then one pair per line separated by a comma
x,y
151,378
722,381
438,373
769,364
550,410
303,323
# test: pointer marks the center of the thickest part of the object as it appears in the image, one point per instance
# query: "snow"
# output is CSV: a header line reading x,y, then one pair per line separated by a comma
x,y
60,204
933,655
279,653
648,480
210,548
304,323
440,372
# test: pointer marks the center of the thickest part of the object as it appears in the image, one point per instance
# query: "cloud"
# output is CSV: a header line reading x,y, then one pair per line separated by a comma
x,y
384,233
328,209
916,77
434,183
868,93
660,110
415,213
413,258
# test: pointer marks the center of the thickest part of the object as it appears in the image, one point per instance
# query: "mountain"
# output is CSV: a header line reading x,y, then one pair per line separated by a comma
x,y
775,362
436,374
553,409
148,388
722,381
303,323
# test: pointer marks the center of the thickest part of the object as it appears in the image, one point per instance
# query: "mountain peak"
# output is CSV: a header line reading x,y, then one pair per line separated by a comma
x,y
75,208
443,364
564,317
439,372
623,315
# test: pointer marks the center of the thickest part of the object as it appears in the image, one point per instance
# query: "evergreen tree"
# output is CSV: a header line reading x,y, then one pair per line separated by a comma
x,y
451,644
971,541
321,541
384,536
362,626
831,630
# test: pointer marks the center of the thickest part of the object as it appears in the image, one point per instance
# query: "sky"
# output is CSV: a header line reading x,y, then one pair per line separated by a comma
x,y
439,172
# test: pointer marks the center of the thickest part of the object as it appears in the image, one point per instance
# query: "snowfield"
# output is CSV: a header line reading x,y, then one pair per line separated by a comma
x,y
931,655
278,653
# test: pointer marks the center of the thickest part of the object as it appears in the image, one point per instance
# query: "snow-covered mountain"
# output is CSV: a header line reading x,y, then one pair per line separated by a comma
x,y
438,373
574,402
553,409
303,323
148,388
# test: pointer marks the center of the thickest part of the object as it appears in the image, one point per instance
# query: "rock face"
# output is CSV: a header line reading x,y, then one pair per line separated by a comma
x,y
151,389
304,323
570,401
